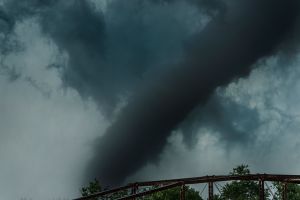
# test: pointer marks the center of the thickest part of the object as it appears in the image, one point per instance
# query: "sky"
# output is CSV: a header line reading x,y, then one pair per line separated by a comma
x,y
86,84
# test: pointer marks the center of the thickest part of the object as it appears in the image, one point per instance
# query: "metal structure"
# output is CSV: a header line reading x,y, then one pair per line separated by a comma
x,y
161,185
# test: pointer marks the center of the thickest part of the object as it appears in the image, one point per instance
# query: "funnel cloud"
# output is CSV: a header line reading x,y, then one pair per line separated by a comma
x,y
226,49
162,60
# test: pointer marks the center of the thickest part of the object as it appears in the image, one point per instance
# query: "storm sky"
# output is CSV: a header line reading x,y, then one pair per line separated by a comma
x,y
77,77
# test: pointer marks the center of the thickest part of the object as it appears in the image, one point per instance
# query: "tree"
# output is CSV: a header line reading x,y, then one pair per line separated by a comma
x,y
92,188
240,190
95,187
174,193
293,191
170,194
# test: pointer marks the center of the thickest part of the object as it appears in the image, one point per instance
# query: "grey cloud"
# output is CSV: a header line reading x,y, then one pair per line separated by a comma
x,y
109,55
271,94
224,50
234,123
168,67
42,137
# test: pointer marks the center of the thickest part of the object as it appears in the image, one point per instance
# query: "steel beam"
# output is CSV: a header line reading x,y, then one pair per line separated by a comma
x,y
134,189
210,191
141,194
261,189
284,191
182,192
206,179
203,179
106,192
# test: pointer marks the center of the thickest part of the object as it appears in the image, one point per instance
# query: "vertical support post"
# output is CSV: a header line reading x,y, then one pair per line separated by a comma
x,y
210,190
261,189
284,191
134,190
182,192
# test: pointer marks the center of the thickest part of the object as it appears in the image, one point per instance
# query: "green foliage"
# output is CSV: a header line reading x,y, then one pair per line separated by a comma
x,y
92,188
192,194
293,191
240,190
95,187
234,190
240,170
174,193
170,194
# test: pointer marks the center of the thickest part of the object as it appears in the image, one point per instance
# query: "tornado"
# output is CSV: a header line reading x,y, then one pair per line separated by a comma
x,y
109,50
226,49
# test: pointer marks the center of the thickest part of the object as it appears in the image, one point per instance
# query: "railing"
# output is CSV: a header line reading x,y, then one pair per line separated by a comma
x,y
162,185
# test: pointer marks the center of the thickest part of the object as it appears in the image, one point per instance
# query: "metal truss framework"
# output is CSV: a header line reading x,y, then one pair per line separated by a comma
x,y
161,185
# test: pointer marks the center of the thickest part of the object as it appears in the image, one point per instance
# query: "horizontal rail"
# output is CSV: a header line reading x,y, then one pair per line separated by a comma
x,y
106,192
206,179
169,183
151,191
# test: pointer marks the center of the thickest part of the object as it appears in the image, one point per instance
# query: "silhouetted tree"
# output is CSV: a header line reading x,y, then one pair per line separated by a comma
x,y
174,194
240,190
170,194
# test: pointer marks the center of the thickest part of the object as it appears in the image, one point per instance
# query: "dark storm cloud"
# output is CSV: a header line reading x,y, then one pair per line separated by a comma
x,y
78,30
6,23
7,43
6,26
110,53
209,6
224,50
234,123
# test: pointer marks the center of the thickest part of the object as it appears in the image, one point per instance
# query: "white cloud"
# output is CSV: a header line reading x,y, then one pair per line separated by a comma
x,y
45,139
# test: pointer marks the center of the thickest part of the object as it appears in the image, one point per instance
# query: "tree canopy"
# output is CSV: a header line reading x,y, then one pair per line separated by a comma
x,y
173,193
240,190
233,190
